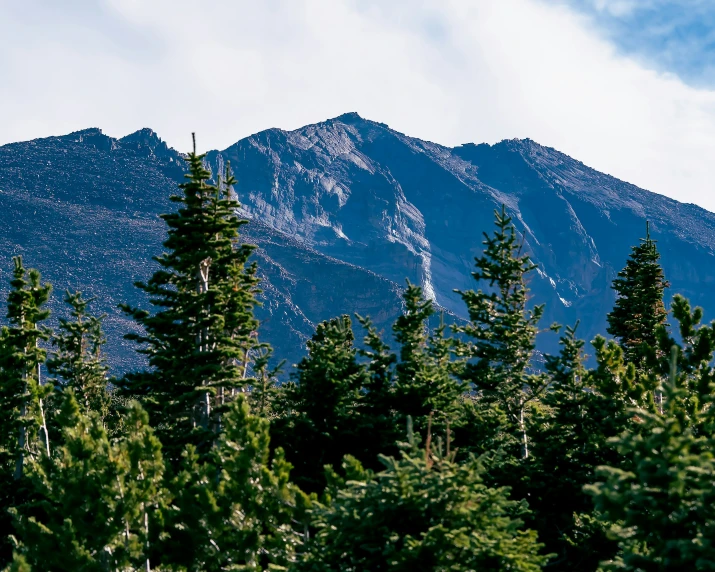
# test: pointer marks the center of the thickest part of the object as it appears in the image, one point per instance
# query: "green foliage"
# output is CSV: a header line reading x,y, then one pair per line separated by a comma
x,y
502,333
425,387
92,501
319,419
78,360
23,429
570,441
421,512
639,309
659,505
237,511
198,340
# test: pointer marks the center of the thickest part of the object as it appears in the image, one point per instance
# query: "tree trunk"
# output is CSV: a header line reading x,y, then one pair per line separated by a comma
x,y
522,428
202,286
43,428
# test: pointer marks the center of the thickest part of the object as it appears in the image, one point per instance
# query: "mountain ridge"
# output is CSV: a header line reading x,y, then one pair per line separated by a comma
x,y
343,212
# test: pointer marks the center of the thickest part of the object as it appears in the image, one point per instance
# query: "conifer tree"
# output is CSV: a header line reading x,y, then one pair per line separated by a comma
x,y
502,331
78,360
92,501
425,387
22,393
570,441
199,338
237,511
421,512
639,309
319,418
660,506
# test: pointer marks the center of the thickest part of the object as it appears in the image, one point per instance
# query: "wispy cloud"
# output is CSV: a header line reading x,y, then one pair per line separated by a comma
x,y
450,71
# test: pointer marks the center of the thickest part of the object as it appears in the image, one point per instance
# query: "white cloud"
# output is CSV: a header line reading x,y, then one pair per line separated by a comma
x,y
450,71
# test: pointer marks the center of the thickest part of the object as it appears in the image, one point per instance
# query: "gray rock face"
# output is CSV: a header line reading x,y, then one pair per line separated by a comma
x,y
343,212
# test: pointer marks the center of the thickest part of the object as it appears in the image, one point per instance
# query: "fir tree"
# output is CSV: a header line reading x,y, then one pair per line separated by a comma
x,y
199,339
78,360
570,441
660,507
22,392
502,331
424,384
639,309
319,417
421,512
24,430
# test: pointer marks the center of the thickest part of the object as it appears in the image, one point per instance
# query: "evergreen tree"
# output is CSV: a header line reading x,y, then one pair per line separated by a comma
x,y
22,392
570,441
424,383
23,424
660,507
639,309
319,418
422,512
502,331
199,339
237,511
78,360
92,500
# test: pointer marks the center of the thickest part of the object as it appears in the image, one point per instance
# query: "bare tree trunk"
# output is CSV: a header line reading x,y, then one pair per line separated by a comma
x,y
522,428
43,428
146,531
202,287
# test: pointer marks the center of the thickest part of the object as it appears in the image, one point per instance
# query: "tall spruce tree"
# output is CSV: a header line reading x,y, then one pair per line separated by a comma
x,y
22,391
639,309
23,420
501,334
199,338
659,506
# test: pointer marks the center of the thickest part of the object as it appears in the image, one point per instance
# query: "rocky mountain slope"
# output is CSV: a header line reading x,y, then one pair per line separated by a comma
x,y
343,212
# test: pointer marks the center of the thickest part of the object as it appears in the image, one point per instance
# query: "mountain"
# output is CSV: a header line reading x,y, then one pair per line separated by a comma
x,y
343,212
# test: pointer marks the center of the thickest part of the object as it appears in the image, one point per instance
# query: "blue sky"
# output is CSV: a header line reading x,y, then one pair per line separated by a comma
x,y
625,86
676,36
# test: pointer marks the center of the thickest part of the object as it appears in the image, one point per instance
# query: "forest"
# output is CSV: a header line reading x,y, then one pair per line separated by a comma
x,y
439,446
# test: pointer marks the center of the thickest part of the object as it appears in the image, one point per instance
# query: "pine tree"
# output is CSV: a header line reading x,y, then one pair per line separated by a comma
x,y
424,384
319,416
199,339
639,309
421,512
78,360
502,331
92,500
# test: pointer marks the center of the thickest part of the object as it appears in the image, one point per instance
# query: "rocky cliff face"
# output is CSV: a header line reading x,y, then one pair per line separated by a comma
x,y
343,212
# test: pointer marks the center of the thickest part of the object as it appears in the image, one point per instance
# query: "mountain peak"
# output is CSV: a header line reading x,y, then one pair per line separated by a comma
x,y
147,139
349,117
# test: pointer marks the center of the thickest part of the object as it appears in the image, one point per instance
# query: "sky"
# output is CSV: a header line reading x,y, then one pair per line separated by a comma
x,y
626,86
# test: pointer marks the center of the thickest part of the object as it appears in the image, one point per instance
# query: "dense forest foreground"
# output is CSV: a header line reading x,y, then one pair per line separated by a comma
x,y
431,447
